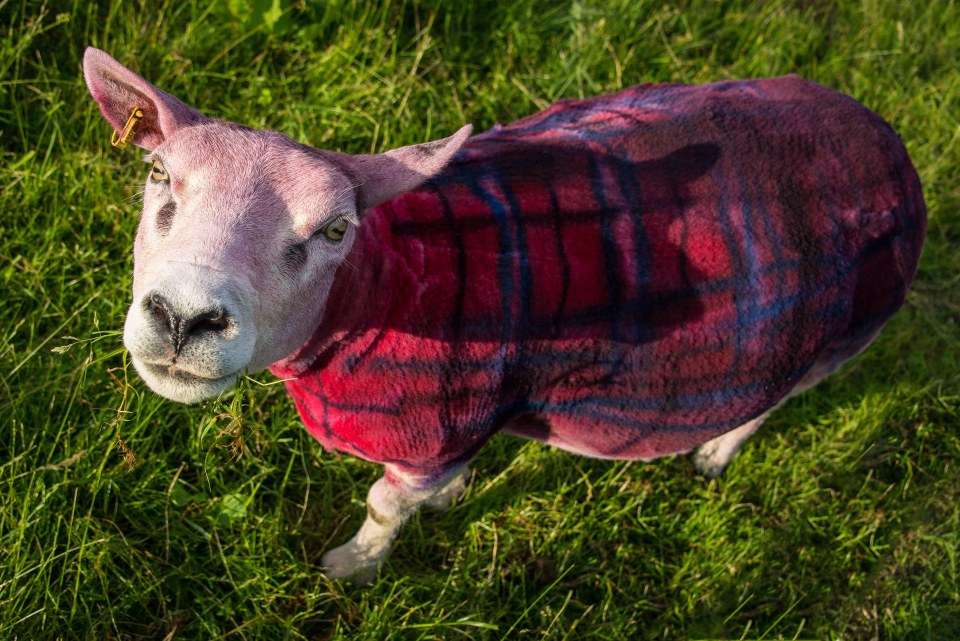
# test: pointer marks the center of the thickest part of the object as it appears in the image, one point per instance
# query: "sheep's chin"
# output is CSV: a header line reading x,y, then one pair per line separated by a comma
x,y
182,387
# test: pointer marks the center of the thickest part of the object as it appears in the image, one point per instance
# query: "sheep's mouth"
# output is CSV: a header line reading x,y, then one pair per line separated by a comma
x,y
183,375
175,370
184,386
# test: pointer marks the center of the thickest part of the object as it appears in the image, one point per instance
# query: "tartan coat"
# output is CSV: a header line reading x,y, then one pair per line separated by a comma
x,y
626,276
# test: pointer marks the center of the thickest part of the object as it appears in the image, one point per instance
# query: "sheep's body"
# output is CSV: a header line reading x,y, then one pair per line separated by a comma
x,y
627,276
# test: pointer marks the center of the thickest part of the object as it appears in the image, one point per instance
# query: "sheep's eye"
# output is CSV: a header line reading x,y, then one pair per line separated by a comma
x,y
335,230
158,173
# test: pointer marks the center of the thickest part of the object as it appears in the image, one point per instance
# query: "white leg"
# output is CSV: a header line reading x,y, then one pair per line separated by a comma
x,y
391,500
443,499
712,457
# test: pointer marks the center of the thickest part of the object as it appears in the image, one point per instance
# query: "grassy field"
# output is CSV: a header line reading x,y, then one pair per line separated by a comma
x,y
124,516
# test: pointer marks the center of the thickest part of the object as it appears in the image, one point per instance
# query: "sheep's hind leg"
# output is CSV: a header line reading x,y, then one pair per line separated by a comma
x,y
390,502
712,457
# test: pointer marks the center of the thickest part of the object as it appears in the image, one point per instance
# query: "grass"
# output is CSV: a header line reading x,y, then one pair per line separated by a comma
x,y
123,516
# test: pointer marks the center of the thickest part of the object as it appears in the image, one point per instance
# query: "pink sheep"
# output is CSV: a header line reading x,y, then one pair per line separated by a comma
x,y
640,274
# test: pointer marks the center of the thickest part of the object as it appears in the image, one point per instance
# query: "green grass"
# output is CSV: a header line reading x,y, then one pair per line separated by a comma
x,y
123,516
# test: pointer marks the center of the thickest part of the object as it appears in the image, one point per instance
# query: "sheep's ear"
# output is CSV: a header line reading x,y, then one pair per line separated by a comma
x,y
119,91
383,176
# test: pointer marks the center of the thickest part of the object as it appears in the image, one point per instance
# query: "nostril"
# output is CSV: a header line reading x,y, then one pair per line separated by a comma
x,y
214,321
211,322
159,308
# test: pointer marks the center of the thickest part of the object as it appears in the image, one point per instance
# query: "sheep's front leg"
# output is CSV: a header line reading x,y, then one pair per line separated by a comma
x,y
391,500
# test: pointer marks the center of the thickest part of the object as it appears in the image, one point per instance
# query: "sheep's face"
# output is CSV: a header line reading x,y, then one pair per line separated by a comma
x,y
240,237
241,234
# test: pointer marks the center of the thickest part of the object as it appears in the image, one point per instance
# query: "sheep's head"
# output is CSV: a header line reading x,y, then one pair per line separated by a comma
x,y
241,234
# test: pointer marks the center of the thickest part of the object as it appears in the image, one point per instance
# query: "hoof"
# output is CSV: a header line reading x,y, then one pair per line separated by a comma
x,y
349,561
708,463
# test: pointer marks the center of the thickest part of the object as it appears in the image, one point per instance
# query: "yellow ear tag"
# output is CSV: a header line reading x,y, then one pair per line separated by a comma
x,y
120,141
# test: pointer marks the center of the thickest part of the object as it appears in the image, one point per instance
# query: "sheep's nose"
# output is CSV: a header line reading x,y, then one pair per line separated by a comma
x,y
184,326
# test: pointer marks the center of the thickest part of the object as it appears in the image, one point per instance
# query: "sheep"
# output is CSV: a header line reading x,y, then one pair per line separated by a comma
x,y
640,274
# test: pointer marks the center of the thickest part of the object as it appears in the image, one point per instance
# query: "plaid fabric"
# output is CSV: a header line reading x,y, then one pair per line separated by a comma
x,y
626,276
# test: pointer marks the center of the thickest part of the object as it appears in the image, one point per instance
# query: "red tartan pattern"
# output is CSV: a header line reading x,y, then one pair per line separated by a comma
x,y
626,276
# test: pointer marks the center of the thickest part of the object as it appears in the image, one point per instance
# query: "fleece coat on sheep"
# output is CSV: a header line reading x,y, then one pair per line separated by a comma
x,y
627,276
